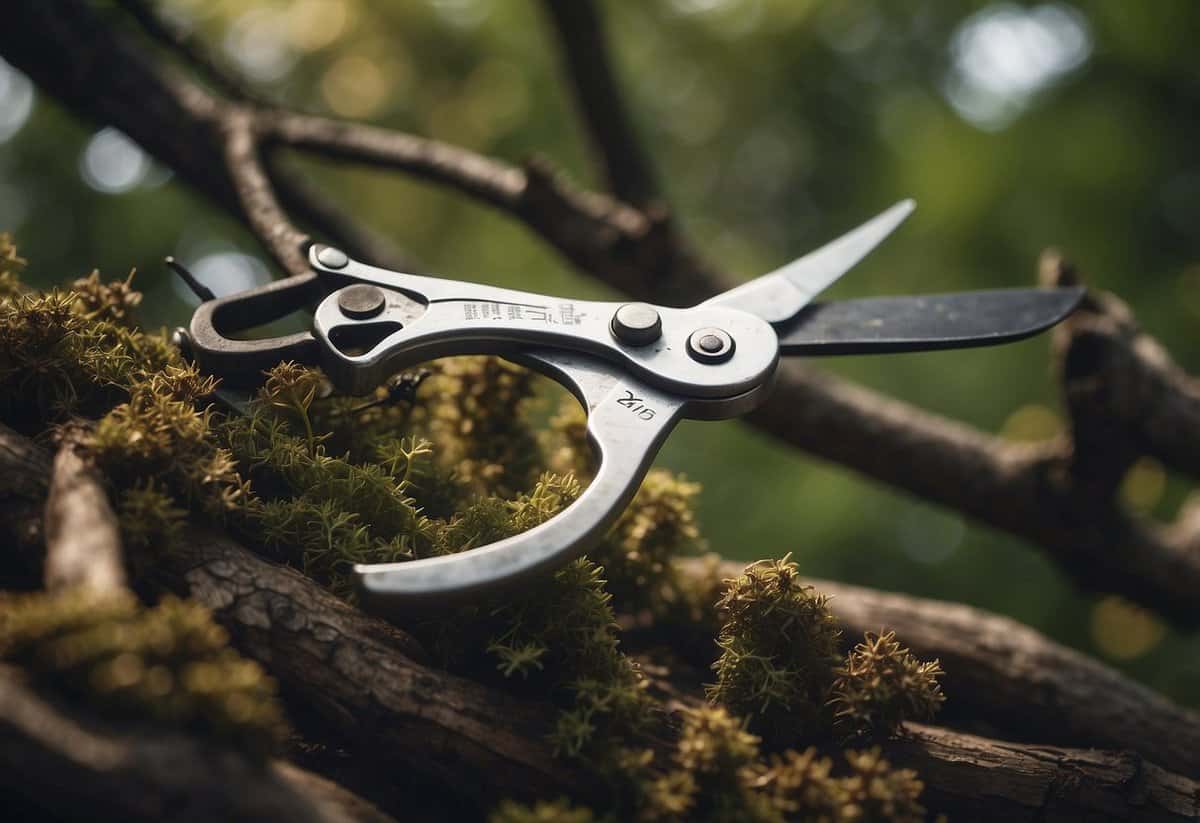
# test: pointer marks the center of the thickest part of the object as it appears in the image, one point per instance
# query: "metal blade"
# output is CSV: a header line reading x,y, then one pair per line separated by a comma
x,y
923,323
780,294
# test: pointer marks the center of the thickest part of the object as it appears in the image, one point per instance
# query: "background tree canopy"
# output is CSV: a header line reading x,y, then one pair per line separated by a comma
x,y
774,125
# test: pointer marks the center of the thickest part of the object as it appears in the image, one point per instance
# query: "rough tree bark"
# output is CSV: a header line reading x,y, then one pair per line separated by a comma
x,y
340,669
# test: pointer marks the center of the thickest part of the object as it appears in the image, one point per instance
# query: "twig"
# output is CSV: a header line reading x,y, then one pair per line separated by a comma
x,y
581,38
313,209
83,540
257,196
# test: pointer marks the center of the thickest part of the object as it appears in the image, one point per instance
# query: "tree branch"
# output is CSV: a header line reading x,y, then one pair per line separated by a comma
x,y
368,677
974,778
256,195
83,541
64,762
580,31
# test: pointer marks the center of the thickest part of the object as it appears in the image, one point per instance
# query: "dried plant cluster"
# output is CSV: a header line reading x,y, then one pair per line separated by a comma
x,y
441,461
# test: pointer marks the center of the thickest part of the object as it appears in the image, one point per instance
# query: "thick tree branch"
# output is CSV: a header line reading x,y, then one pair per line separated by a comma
x,y
1028,491
974,778
64,762
369,678
582,48
1001,675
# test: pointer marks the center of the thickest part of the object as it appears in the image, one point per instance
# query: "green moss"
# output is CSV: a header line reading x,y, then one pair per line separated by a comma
x,y
11,265
658,525
880,685
716,774
114,301
543,811
148,515
170,664
779,650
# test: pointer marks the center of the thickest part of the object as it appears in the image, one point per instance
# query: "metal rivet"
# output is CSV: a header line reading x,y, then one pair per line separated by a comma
x,y
636,324
332,258
182,341
361,301
710,345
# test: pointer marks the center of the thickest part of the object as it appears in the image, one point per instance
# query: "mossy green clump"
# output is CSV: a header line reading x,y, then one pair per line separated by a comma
x,y
717,774
170,664
781,668
880,685
543,811
779,648
324,513
657,526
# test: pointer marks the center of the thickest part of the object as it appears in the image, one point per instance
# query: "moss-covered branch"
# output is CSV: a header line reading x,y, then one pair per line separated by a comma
x,y
59,759
1002,675
370,680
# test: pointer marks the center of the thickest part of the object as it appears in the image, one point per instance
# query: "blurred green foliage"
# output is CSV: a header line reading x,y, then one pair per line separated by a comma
x,y
775,124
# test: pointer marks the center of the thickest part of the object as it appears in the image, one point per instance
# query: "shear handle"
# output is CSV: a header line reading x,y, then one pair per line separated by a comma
x,y
242,362
627,422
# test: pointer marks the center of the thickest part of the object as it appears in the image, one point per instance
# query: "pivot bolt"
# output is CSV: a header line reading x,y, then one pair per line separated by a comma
x,y
710,345
636,324
361,301
332,258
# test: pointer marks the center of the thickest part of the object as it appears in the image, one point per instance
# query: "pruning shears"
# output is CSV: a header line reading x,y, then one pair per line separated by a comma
x,y
636,368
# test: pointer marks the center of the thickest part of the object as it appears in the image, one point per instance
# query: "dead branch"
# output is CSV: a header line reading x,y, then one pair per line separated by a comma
x,y
83,540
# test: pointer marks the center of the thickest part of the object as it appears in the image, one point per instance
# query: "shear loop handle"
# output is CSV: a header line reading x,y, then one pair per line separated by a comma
x,y
627,422
242,362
